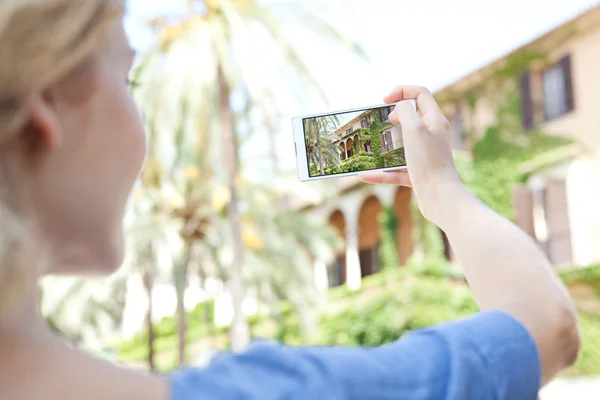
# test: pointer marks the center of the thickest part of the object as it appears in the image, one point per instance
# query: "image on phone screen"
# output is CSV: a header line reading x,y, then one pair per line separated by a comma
x,y
352,141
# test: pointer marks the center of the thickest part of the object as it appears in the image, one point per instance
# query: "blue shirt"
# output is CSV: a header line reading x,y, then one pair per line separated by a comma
x,y
488,356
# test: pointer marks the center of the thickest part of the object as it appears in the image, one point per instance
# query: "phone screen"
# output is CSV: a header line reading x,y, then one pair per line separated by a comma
x,y
352,142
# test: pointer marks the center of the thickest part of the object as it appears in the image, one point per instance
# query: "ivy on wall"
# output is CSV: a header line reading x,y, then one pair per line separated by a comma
x,y
502,147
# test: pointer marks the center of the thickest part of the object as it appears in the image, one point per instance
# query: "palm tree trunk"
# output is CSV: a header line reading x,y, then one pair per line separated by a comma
x,y
148,285
319,152
239,332
181,272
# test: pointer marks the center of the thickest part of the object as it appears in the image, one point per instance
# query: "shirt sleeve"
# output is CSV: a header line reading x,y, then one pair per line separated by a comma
x,y
488,356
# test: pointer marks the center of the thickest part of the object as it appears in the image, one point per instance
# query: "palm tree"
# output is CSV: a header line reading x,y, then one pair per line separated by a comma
x,y
320,141
201,63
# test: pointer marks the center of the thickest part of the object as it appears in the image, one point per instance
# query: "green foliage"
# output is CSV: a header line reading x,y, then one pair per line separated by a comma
x,y
359,162
494,171
374,132
434,265
503,146
588,362
495,145
395,158
419,296
413,303
492,182
388,249
589,276
165,332
329,170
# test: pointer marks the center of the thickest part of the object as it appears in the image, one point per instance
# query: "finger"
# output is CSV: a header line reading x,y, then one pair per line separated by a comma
x,y
393,117
433,117
410,121
386,177
425,101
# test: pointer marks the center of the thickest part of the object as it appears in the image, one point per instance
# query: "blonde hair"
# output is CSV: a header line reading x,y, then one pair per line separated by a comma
x,y
41,43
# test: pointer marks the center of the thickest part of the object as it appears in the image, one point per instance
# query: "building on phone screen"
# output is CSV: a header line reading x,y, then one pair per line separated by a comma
x,y
348,139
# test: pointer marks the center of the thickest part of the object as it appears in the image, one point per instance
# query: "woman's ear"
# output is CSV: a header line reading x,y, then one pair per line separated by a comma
x,y
44,121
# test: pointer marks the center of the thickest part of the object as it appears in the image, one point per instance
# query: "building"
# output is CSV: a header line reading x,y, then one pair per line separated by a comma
x,y
558,205
348,138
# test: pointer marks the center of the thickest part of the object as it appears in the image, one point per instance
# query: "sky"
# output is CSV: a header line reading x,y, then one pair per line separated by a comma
x,y
424,42
347,117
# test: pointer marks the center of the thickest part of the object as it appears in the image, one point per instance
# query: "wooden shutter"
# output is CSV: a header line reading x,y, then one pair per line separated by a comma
x,y
526,101
382,142
388,141
558,223
523,208
565,64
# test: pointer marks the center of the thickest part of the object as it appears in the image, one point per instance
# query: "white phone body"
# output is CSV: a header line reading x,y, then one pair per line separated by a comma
x,y
302,162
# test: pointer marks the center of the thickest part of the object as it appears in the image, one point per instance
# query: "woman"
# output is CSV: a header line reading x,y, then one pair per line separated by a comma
x,y
71,146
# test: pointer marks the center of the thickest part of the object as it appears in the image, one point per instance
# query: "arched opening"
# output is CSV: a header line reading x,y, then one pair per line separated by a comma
x,y
402,209
369,236
349,148
342,149
336,272
367,146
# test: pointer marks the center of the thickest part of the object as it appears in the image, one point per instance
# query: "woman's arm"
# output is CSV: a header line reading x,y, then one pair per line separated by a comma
x,y
504,267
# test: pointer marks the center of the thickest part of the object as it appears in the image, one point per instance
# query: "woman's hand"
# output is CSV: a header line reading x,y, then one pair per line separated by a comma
x,y
504,267
427,148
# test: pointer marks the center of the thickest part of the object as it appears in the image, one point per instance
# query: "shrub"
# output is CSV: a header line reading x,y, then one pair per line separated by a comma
x,y
359,162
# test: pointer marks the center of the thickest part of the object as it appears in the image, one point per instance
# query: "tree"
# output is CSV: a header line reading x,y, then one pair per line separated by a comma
x,y
201,63
320,142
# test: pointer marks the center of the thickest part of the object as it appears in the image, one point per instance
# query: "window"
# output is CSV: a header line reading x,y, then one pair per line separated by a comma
x,y
364,123
555,103
386,142
384,113
556,93
558,89
349,130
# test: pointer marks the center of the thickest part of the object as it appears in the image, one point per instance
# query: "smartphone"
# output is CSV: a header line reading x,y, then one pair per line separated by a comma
x,y
344,143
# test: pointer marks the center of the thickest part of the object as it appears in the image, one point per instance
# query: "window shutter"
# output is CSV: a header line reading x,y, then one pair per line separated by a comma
x,y
382,142
565,64
388,141
526,101
523,204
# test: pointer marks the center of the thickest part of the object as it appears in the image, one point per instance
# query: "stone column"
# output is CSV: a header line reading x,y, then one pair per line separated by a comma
x,y
321,278
353,275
